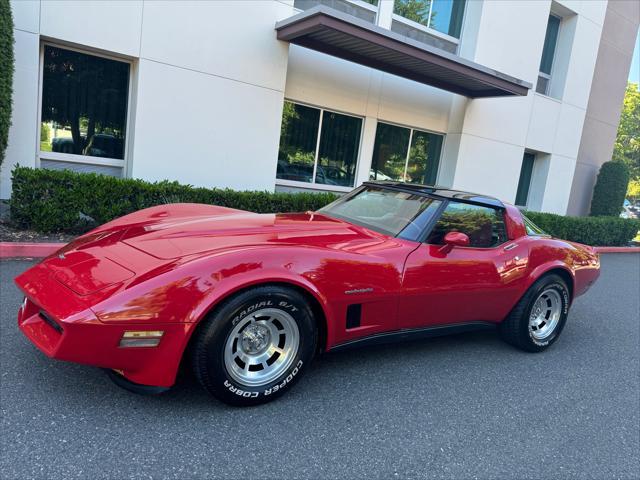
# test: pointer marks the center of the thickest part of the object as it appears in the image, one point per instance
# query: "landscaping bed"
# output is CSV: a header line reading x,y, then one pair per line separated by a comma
x,y
50,205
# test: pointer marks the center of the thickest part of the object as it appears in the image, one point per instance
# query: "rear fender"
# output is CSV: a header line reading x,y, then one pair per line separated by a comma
x,y
545,268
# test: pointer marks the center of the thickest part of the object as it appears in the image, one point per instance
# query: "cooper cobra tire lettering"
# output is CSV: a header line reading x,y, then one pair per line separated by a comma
x,y
280,386
240,392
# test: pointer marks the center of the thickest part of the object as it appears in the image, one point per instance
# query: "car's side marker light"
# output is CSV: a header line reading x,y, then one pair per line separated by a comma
x,y
141,338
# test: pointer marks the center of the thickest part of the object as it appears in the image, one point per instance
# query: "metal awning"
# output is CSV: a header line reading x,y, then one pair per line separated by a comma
x,y
345,36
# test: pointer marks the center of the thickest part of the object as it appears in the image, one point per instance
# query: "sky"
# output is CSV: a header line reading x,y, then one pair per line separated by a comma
x,y
634,73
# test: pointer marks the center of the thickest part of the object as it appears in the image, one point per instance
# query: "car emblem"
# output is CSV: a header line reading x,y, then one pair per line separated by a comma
x,y
358,290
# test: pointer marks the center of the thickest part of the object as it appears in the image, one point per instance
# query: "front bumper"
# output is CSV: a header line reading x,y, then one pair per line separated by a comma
x,y
84,339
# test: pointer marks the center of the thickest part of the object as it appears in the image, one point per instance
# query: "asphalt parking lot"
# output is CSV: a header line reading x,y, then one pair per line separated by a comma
x,y
466,406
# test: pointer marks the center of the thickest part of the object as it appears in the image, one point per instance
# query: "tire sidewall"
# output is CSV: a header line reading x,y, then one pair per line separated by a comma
x,y
551,282
220,383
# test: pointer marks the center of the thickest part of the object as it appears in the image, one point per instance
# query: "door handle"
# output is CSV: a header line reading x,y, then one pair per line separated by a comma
x,y
510,247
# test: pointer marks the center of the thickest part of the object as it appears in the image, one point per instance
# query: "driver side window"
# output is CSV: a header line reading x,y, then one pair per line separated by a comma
x,y
483,225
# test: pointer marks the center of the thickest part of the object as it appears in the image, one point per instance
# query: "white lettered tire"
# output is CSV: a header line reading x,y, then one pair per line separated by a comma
x,y
255,346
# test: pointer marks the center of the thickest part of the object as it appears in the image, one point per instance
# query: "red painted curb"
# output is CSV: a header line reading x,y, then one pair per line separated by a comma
x,y
617,249
41,250
21,250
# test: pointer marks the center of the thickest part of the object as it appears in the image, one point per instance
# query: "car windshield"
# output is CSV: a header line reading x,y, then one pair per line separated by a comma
x,y
386,211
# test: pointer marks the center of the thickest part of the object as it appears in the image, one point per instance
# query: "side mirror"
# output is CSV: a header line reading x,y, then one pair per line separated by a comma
x,y
454,239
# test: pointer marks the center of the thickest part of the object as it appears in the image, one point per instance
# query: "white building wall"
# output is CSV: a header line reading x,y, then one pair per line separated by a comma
x,y
210,93
510,37
210,79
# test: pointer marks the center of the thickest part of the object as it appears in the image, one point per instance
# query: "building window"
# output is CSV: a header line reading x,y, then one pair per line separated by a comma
x,y
84,107
524,183
548,54
405,155
318,146
483,225
435,22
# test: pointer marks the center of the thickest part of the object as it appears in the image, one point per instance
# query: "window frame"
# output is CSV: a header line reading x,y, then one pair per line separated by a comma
x,y
549,76
406,159
323,186
86,159
443,207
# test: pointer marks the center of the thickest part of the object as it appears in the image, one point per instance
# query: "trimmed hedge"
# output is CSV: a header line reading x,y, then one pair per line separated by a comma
x,y
6,73
596,231
610,189
63,201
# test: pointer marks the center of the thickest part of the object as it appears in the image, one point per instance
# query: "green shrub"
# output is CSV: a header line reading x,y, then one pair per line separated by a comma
x,y
596,231
58,201
610,189
6,73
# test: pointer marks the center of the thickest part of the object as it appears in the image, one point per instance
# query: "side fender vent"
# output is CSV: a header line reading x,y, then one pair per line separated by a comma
x,y
354,312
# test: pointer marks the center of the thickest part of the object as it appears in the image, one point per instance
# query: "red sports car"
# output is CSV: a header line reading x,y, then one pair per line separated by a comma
x,y
250,299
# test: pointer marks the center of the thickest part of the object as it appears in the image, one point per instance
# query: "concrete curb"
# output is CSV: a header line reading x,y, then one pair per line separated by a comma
x,y
41,250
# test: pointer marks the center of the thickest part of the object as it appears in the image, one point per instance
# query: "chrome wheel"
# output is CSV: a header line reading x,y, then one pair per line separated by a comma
x,y
261,347
545,314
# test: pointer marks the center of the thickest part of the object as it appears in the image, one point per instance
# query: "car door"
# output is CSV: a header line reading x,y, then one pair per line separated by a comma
x,y
474,283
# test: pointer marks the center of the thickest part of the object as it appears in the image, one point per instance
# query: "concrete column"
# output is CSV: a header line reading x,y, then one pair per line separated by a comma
x,y
366,149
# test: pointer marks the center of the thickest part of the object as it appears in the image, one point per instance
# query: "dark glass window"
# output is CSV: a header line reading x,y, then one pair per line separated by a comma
x,y
389,152
524,183
483,225
338,154
404,154
442,15
550,40
333,156
548,53
424,157
84,104
298,142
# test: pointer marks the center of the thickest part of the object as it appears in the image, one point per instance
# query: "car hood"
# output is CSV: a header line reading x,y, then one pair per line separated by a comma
x,y
175,231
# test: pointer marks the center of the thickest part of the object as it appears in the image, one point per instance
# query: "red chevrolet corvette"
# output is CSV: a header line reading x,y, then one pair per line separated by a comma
x,y
250,299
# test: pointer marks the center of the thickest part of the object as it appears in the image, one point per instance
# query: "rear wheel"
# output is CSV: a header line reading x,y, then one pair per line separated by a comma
x,y
255,345
539,317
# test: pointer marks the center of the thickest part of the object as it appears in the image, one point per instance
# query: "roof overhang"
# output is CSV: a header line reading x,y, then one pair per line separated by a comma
x,y
345,36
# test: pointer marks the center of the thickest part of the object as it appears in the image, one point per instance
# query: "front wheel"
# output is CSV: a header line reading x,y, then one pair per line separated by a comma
x,y
255,346
539,317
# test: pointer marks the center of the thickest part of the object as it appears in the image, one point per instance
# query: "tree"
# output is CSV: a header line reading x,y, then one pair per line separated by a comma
x,y
6,73
610,189
627,146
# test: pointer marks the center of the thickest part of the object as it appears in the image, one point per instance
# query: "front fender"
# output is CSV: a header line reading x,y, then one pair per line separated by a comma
x,y
232,285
